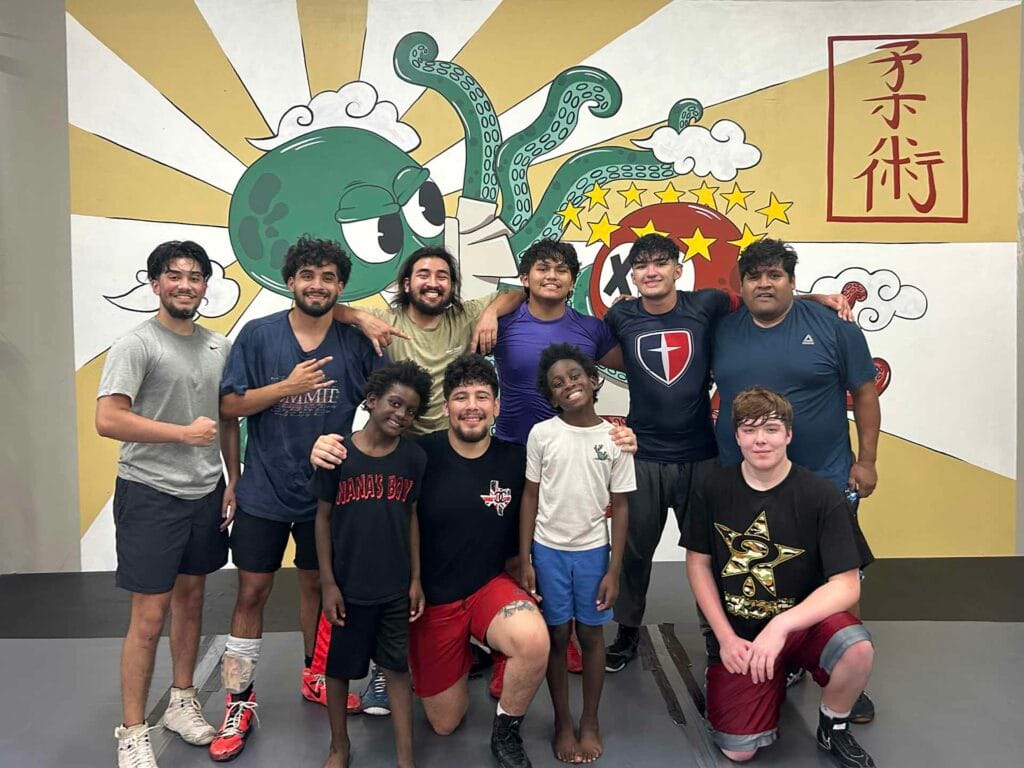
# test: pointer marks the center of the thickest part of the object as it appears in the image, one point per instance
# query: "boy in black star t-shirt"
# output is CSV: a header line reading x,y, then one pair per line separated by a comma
x,y
367,541
773,562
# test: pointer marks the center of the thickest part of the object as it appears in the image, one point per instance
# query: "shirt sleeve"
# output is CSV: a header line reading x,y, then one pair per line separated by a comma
x,y
239,371
419,465
324,484
623,473
838,544
125,367
854,356
602,336
611,319
473,308
719,303
696,533
534,455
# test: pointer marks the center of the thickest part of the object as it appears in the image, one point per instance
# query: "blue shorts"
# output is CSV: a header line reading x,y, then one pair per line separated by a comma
x,y
568,583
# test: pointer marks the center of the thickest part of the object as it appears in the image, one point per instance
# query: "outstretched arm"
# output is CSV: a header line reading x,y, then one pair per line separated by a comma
x,y
527,523
485,335
376,330
835,301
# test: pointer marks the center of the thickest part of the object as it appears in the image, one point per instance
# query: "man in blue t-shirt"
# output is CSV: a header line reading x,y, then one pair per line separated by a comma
x,y
548,270
812,358
294,375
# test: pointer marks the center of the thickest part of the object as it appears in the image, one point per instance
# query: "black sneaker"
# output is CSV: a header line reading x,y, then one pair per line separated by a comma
x,y
623,650
507,744
863,709
834,737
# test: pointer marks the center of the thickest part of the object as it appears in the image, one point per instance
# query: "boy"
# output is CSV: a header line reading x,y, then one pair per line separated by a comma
x,y
773,562
572,467
367,542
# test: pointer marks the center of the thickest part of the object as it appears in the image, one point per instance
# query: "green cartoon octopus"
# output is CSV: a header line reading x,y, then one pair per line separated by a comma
x,y
354,186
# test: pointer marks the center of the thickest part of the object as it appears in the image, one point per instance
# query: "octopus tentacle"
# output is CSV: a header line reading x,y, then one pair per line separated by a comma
x,y
569,92
684,112
576,176
416,62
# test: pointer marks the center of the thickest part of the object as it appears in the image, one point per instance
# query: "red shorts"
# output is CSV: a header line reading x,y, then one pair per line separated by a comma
x,y
439,653
744,715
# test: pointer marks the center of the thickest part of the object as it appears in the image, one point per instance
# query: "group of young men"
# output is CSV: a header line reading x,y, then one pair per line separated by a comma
x,y
170,388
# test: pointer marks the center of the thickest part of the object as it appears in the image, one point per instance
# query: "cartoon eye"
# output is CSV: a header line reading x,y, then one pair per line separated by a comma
x,y
375,240
425,210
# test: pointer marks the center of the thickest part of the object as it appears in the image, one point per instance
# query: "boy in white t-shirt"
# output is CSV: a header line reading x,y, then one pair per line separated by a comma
x,y
572,470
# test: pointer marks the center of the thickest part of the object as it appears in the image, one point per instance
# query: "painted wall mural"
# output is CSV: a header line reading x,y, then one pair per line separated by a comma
x,y
882,145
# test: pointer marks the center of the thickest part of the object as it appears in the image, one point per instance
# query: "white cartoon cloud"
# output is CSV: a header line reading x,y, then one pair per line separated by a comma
x,y
877,297
721,152
355,105
221,295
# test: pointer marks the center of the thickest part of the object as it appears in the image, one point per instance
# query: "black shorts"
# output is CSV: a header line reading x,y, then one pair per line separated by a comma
x,y
379,632
159,536
258,544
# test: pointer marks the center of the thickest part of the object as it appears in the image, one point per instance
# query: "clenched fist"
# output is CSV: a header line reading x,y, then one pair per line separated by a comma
x,y
201,432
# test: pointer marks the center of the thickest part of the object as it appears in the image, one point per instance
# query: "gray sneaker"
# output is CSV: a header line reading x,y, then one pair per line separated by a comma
x,y
375,695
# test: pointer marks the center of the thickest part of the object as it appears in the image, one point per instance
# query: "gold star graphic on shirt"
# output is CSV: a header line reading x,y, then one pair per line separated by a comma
x,y
753,546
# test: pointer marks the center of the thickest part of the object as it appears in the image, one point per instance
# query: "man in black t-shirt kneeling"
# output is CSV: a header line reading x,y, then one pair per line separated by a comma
x,y
468,511
773,562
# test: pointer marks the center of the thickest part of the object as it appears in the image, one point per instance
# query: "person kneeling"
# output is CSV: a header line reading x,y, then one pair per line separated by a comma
x,y
773,562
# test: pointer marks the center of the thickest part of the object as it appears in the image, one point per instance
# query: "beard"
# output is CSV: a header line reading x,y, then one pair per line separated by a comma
x,y
470,437
311,309
176,312
416,299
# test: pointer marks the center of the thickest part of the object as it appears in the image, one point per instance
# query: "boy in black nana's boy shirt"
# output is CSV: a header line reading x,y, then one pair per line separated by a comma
x,y
367,541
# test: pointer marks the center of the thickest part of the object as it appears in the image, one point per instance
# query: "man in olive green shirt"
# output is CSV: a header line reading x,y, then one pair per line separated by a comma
x,y
430,324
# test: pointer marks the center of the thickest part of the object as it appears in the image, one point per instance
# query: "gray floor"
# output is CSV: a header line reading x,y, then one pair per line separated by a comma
x,y
948,693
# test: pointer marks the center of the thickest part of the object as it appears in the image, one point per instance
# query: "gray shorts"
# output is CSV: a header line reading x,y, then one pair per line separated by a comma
x,y
159,536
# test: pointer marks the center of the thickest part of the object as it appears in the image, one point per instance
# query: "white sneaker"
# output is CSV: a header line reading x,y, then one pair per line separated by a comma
x,y
133,747
184,716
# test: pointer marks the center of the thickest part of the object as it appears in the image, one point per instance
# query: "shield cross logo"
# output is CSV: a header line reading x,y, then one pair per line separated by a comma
x,y
665,354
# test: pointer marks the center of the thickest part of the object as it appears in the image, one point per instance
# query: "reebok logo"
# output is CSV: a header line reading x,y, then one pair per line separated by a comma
x,y
808,341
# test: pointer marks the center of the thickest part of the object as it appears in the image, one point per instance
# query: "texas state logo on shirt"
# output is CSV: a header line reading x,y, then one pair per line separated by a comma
x,y
665,355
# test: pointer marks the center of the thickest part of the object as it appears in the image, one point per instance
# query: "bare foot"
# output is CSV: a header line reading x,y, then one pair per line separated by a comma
x,y
565,746
337,757
591,746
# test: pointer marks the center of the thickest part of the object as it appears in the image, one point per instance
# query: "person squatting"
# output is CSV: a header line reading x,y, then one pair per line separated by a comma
x,y
424,537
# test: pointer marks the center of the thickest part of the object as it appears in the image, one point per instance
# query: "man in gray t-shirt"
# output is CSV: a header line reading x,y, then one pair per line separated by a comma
x,y
159,395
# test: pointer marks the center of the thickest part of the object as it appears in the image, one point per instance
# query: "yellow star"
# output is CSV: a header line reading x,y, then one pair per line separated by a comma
x,y
755,544
571,214
601,230
736,197
775,210
669,194
706,195
632,195
596,196
746,239
648,229
697,244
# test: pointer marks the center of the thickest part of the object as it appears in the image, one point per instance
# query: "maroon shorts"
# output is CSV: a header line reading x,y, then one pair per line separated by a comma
x,y
745,716
439,653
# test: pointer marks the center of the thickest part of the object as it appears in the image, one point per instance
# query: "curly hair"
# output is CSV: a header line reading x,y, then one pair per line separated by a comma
x,y
550,250
312,252
469,369
555,352
402,298
405,372
767,253
162,256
